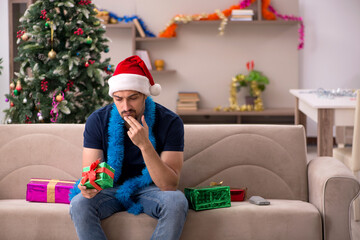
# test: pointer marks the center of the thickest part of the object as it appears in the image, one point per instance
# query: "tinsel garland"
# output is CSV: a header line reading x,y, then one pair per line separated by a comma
x,y
170,30
292,18
321,92
55,111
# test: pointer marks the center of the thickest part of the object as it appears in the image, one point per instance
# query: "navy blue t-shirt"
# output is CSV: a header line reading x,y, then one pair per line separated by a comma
x,y
168,131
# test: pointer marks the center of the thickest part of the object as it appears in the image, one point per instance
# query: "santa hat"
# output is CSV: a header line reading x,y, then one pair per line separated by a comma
x,y
132,74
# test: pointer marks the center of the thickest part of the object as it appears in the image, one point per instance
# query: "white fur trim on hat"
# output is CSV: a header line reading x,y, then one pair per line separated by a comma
x,y
127,81
155,89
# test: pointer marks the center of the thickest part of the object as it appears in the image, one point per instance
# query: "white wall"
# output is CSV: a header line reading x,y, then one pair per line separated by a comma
x,y
4,54
331,57
206,62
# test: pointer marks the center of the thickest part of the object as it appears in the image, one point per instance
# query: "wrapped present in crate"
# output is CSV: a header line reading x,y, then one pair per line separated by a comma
x,y
48,190
238,194
98,175
202,198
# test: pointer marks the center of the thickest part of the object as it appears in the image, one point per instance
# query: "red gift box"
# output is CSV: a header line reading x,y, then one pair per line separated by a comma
x,y
237,194
48,190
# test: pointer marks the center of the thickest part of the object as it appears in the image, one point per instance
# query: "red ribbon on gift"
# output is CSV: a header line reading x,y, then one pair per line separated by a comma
x,y
91,174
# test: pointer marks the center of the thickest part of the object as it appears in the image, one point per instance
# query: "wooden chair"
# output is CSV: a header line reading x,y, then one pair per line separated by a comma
x,y
350,156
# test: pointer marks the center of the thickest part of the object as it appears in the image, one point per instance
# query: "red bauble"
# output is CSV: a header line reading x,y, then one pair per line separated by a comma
x,y
86,64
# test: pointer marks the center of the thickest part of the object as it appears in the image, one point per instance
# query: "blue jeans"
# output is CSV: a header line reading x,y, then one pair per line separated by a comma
x,y
169,207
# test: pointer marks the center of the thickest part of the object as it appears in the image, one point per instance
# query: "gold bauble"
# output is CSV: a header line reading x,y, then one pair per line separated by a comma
x,y
12,86
52,54
59,98
25,37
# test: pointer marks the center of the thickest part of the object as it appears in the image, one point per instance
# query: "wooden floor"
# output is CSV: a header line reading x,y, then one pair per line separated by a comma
x,y
355,226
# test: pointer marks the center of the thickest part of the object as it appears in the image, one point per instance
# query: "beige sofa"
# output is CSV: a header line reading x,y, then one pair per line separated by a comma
x,y
308,201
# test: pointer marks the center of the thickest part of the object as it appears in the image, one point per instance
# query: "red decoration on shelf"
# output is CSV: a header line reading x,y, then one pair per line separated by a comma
x,y
44,85
79,31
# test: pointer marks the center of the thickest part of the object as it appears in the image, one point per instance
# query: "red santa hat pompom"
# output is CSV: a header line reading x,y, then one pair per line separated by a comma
x,y
132,74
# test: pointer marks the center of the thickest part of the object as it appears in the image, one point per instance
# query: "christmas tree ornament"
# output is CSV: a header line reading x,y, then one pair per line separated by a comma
x,y
9,121
109,67
18,86
106,50
44,85
19,33
24,100
97,23
16,92
52,53
59,98
41,57
86,64
12,86
89,40
39,115
25,37
47,24
12,104
6,100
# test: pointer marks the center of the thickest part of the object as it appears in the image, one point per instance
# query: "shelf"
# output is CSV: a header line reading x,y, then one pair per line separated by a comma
x,y
265,112
254,22
163,71
146,39
120,25
209,116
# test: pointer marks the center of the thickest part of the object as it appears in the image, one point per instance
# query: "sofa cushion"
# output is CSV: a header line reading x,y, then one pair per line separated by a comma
x,y
270,160
282,219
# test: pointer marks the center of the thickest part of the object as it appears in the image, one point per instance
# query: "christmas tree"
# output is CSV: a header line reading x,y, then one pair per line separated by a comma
x,y
61,78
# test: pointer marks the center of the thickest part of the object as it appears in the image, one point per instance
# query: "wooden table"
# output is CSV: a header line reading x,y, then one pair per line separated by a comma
x,y
326,112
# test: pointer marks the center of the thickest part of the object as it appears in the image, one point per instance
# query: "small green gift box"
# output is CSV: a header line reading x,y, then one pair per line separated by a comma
x,y
202,198
98,175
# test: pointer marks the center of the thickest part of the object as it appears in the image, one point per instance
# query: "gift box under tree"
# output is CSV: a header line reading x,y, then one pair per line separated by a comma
x,y
98,175
48,190
202,198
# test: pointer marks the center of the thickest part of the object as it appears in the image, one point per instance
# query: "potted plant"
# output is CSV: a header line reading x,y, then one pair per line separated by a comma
x,y
255,81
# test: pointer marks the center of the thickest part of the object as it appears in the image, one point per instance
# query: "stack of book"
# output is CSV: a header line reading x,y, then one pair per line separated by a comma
x,y
187,101
242,15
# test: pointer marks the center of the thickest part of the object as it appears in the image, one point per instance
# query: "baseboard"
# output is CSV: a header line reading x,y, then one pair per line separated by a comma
x,y
313,141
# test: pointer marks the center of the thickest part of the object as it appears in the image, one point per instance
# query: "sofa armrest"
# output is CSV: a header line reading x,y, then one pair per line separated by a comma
x,y
332,188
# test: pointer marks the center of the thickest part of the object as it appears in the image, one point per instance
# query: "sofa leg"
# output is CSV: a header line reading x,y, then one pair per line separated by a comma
x,y
356,203
356,209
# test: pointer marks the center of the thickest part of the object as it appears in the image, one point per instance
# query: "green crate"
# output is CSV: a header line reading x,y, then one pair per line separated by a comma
x,y
202,198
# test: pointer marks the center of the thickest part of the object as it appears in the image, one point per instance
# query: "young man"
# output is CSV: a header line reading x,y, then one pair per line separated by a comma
x,y
143,141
